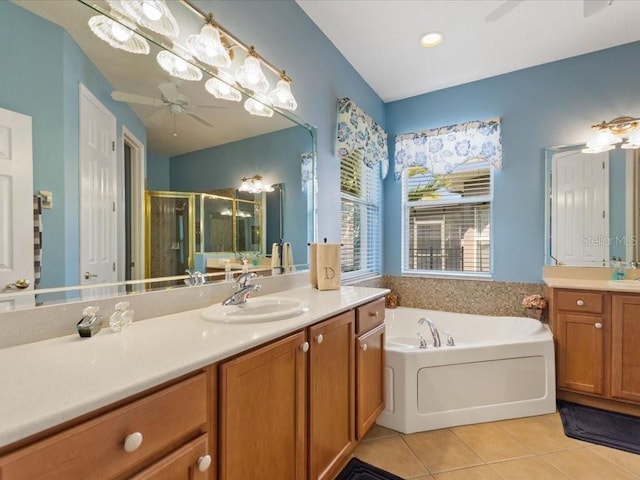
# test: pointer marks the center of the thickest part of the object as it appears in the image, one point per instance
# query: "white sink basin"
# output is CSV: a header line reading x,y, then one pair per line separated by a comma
x,y
256,310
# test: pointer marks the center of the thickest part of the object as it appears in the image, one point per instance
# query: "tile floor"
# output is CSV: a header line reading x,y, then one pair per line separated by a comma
x,y
533,448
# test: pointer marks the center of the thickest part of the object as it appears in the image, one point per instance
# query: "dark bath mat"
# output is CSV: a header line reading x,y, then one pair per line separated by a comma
x,y
359,470
594,425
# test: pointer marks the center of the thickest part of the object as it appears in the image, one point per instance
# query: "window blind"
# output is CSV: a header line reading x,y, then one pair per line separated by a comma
x,y
447,221
361,192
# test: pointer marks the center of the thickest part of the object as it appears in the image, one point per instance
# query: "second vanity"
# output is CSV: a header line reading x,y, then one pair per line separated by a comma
x,y
596,326
181,397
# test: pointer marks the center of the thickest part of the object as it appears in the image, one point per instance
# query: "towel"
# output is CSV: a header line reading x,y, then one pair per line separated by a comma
x,y
37,240
287,258
328,266
275,260
313,264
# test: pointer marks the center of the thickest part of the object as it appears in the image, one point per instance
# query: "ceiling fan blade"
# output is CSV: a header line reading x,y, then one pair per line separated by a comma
x,y
170,92
502,10
132,98
591,7
199,119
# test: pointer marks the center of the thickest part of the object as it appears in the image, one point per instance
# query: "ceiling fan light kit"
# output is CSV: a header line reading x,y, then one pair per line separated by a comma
x,y
212,46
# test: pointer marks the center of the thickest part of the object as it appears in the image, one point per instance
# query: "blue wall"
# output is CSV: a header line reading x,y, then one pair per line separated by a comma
x,y
552,104
42,70
158,173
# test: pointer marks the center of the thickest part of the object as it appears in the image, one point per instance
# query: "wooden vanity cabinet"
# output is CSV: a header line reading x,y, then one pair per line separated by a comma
x,y
164,435
625,347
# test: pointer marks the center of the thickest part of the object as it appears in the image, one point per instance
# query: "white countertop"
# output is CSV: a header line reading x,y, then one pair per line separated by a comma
x,y
46,383
629,286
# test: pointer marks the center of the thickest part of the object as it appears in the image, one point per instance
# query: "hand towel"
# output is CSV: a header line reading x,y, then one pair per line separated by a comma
x,y
287,258
328,266
275,260
313,264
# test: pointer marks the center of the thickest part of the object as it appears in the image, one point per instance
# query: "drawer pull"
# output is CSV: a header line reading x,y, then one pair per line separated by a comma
x,y
580,303
364,347
132,442
319,339
373,314
204,463
304,346
598,325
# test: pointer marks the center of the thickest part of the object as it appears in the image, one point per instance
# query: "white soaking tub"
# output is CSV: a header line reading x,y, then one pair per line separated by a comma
x,y
499,368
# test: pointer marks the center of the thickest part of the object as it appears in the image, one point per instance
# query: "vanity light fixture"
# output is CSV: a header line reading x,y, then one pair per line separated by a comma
x,y
177,66
609,134
254,185
281,96
118,35
151,14
250,74
207,45
221,87
258,106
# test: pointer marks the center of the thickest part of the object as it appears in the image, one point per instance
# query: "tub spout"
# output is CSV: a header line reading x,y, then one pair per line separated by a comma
x,y
433,329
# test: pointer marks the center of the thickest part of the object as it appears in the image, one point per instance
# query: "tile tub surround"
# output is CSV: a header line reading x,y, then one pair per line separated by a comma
x,y
35,324
478,297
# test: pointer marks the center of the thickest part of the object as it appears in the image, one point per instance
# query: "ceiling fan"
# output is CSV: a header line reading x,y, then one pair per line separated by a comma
x,y
589,7
171,101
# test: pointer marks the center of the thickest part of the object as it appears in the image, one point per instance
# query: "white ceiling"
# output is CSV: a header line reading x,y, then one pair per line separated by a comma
x,y
482,38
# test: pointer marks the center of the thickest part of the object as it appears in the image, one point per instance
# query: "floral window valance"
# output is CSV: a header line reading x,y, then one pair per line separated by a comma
x,y
360,137
442,150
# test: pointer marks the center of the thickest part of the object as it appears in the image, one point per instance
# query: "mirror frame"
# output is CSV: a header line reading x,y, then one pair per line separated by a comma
x,y
77,292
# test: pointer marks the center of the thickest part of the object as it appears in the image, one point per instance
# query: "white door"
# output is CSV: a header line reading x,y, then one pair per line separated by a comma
x,y
98,183
16,206
580,208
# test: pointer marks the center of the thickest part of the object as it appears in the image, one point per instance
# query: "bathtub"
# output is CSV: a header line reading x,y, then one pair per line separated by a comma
x,y
499,368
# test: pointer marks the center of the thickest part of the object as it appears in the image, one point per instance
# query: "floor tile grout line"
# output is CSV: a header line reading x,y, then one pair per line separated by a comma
x,y
402,436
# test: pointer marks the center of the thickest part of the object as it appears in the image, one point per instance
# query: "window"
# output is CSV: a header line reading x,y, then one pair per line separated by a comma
x,y
361,191
447,221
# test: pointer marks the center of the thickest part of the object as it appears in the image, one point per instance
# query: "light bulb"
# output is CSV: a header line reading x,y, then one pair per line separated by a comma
x,y
120,33
151,10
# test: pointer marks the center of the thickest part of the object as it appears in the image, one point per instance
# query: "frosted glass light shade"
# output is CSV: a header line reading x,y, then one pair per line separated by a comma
x,y
117,35
152,14
259,108
207,47
254,185
178,67
250,75
222,90
603,140
634,140
282,97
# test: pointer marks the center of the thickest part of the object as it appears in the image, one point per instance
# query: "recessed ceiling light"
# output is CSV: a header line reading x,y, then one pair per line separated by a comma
x,y
431,39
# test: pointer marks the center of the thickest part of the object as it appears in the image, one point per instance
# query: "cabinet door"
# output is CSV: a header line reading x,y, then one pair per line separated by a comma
x,y
331,395
625,342
191,462
262,412
370,364
580,343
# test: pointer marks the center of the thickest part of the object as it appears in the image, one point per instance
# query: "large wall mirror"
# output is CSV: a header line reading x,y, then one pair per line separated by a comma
x,y
591,207
171,136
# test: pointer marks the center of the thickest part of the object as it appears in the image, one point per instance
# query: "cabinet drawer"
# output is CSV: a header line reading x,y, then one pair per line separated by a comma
x,y
580,301
96,448
369,315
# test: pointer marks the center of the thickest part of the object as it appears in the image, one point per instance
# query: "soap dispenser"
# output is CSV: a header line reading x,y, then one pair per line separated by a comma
x,y
121,318
90,323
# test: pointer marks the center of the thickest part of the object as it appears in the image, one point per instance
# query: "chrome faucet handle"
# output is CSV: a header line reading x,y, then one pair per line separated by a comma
x,y
450,341
243,279
423,342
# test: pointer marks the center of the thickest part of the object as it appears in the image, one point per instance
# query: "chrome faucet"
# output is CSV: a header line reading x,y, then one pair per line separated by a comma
x,y
243,289
423,342
433,329
195,278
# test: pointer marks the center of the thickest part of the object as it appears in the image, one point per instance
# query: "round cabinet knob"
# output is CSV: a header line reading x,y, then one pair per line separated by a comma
x,y
304,347
364,347
204,463
132,442
373,314
319,339
598,325
580,303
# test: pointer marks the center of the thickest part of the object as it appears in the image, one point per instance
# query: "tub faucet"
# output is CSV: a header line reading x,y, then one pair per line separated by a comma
x,y
195,278
423,342
433,329
244,288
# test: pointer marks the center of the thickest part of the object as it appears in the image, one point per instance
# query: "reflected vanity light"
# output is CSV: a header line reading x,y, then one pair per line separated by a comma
x,y
258,106
221,87
117,35
254,185
177,66
151,14
609,134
